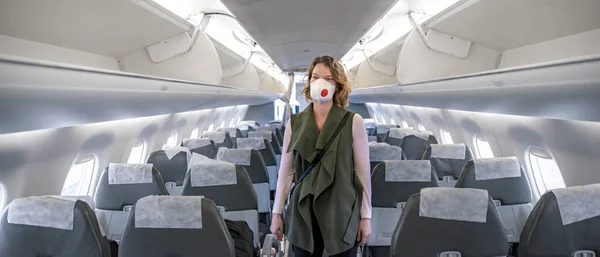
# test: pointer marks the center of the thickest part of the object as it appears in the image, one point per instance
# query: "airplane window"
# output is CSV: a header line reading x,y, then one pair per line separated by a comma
x,y
137,154
422,128
211,128
446,137
195,133
172,141
545,170
404,124
79,178
483,148
393,121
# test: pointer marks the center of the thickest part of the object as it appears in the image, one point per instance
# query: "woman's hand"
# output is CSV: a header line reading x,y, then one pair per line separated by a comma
x,y
277,226
364,231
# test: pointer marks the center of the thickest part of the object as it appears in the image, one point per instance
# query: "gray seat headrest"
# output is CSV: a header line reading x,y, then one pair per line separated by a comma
x,y
503,178
49,226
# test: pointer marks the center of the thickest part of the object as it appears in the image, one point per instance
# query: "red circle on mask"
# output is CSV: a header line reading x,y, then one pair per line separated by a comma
x,y
324,93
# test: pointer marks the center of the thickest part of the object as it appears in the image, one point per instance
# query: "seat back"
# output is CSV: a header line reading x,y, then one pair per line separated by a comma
x,y
221,139
266,151
415,145
183,226
228,186
252,161
278,132
394,136
233,132
382,130
269,136
393,182
119,188
448,160
444,221
203,146
564,222
507,185
172,163
380,152
51,226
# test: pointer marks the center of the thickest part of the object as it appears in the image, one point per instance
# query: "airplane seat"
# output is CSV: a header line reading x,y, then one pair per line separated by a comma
x,y
234,133
564,222
382,130
227,185
372,139
448,161
253,162
393,182
120,186
394,136
416,144
371,128
449,222
276,128
279,125
380,152
51,226
507,184
172,163
266,151
221,139
270,136
203,146
183,226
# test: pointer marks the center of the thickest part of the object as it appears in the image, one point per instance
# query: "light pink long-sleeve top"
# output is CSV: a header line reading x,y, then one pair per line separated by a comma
x,y
362,167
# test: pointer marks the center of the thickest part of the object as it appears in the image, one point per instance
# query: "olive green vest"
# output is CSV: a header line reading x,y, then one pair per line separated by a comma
x,y
336,188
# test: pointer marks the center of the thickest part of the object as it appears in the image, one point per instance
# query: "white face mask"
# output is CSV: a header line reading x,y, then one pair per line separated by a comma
x,y
321,91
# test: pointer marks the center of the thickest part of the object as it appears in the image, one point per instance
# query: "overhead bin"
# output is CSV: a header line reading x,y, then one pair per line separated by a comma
x,y
474,36
62,95
112,28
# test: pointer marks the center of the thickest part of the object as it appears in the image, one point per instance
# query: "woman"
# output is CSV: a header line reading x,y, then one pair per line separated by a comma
x,y
331,208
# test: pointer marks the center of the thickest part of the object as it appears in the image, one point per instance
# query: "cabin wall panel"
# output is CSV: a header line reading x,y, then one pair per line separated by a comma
x,y
200,64
579,45
573,144
30,49
37,162
419,63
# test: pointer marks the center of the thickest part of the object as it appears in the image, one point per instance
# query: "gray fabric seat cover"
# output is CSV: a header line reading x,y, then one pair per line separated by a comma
x,y
429,237
172,170
85,239
213,239
386,196
414,147
112,198
544,234
513,193
209,151
240,196
447,166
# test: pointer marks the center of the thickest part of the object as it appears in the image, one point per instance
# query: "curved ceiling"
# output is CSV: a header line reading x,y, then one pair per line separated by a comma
x,y
294,32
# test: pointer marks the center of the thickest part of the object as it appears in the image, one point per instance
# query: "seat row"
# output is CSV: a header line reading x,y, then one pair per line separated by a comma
x,y
487,212
133,207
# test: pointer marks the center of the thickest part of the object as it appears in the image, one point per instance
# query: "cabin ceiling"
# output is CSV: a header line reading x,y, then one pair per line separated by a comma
x,y
508,24
109,27
294,32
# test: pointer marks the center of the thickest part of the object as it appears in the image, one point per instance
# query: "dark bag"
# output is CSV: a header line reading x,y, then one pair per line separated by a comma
x,y
312,165
243,237
114,248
